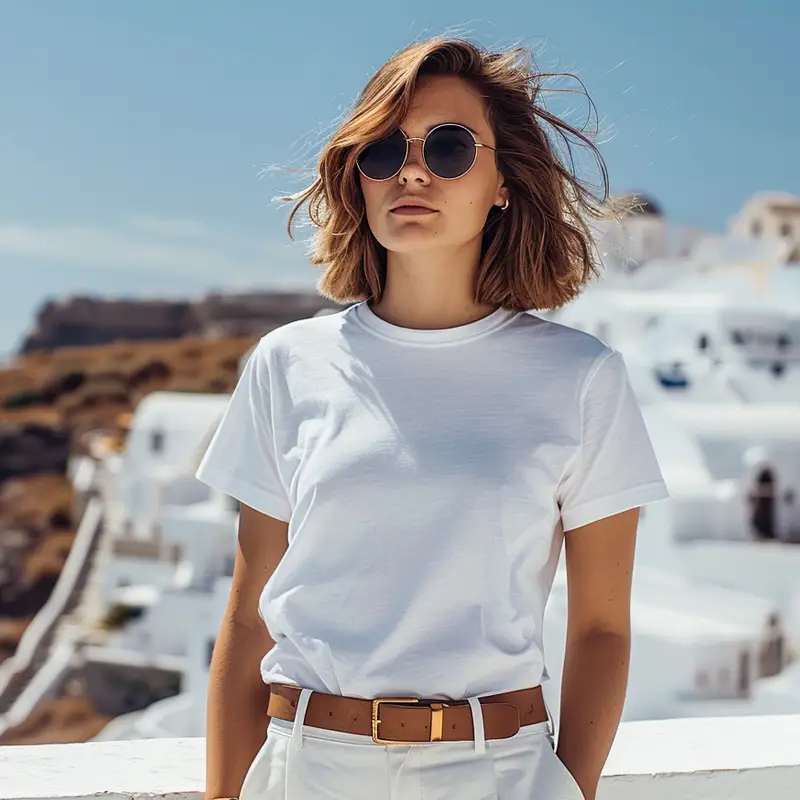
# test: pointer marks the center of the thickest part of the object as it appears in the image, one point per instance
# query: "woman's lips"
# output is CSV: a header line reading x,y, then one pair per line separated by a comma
x,y
412,211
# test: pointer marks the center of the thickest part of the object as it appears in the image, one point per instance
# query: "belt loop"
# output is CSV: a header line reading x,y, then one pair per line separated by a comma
x,y
479,733
551,724
300,719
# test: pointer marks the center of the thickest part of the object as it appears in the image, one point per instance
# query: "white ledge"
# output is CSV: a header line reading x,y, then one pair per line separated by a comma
x,y
706,744
145,768
730,758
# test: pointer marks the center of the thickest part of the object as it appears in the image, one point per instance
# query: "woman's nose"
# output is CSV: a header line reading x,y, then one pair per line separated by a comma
x,y
414,170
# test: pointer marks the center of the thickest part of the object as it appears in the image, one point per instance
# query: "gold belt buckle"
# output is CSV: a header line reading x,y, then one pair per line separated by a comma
x,y
436,719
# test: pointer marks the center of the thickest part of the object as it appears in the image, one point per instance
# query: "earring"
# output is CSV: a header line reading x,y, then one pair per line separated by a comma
x,y
505,205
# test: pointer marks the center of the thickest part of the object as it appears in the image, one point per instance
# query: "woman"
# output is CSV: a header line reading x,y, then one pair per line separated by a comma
x,y
407,469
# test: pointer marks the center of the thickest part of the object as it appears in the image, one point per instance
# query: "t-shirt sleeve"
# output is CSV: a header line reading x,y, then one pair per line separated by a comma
x,y
615,468
241,458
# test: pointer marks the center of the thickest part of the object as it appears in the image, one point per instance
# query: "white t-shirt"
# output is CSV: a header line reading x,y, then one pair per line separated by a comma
x,y
427,477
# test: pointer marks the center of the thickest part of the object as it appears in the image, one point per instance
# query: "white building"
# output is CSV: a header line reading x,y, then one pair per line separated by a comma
x,y
173,537
771,215
165,432
687,344
697,648
751,455
732,518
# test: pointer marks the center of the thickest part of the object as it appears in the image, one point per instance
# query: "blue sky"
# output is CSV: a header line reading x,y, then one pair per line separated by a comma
x,y
134,135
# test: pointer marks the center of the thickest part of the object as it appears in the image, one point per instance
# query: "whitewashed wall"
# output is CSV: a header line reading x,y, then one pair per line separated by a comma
x,y
701,759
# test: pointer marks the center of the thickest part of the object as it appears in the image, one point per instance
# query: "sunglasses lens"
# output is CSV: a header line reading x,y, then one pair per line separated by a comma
x,y
384,158
449,151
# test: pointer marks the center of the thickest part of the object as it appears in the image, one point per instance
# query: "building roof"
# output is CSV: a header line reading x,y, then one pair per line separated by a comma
x,y
764,200
667,606
183,419
177,410
780,289
734,421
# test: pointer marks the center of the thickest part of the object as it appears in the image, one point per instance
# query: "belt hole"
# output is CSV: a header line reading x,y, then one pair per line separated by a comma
x,y
293,704
355,719
330,713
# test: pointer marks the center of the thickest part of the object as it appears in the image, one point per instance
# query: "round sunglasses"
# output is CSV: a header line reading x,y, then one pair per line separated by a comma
x,y
449,151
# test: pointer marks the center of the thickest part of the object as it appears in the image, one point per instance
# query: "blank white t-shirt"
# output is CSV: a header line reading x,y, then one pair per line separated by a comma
x,y
427,477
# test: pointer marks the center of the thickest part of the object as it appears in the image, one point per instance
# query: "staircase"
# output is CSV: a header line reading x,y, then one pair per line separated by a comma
x,y
53,623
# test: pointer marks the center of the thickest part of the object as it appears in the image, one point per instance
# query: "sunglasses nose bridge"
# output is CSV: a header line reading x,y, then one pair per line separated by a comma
x,y
411,142
414,156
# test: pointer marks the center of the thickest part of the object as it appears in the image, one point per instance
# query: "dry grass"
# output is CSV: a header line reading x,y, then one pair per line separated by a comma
x,y
64,720
46,417
49,556
33,499
108,367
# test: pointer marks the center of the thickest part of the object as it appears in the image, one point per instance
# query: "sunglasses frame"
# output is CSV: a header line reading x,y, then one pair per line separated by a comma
x,y
424,139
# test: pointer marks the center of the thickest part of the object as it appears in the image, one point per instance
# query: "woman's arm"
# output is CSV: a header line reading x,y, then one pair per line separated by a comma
x,y
237,697
595,678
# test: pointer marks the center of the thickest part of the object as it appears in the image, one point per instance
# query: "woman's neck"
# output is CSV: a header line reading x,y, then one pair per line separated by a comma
x,y
431,291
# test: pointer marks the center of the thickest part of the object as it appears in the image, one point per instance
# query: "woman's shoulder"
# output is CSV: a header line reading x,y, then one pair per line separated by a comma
x,y
302,335
564,344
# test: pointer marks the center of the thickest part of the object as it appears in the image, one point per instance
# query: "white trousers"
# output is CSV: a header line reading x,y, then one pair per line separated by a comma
x,y
298,762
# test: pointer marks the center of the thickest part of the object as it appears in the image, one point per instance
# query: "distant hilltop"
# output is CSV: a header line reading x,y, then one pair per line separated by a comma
x,y
86,321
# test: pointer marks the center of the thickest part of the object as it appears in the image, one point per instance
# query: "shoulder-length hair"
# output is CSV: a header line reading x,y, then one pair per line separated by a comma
x,y
535,255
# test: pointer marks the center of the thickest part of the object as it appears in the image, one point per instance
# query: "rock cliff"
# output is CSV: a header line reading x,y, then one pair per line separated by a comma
x,y
81,321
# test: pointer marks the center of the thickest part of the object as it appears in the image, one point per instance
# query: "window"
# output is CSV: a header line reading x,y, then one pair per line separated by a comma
x,y
724,677
701,681
157,441
745,679
762,501
786,230
755,228
703,342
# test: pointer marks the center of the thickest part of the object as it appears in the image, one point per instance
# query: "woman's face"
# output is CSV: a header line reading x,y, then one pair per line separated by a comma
x,y
455,210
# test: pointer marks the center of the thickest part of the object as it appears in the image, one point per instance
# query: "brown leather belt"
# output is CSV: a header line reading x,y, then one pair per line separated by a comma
x,y
406,720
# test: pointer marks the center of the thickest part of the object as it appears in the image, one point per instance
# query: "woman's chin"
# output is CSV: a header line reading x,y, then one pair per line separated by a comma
x,y
411,238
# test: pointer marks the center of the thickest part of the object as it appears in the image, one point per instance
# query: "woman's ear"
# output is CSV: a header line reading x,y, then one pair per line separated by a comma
x,y
501,200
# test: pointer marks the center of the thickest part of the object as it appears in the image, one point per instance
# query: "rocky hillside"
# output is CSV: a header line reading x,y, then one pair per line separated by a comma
x,y
49,403
55,394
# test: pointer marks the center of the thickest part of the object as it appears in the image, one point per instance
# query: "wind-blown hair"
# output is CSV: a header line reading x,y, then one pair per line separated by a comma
x,y
535,255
